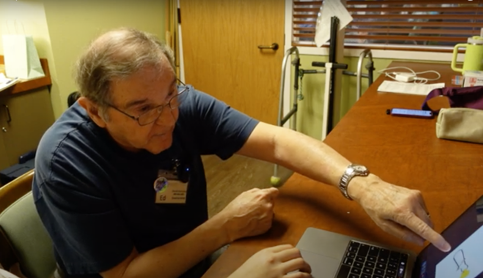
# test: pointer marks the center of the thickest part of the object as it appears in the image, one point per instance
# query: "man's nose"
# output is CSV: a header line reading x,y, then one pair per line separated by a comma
x,y
167,116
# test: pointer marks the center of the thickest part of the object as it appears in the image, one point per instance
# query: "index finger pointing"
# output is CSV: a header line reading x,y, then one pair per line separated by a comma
x,y
420,227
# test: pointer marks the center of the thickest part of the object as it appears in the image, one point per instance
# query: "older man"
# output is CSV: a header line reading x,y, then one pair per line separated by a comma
x,y
119,180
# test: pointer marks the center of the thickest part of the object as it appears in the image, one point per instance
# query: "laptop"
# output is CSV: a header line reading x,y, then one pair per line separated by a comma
x,y
333,255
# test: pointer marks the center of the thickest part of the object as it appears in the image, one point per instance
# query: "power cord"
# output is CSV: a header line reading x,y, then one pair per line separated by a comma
x,y
409,75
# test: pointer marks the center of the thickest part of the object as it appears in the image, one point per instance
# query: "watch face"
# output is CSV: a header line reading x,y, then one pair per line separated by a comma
x,y
359,168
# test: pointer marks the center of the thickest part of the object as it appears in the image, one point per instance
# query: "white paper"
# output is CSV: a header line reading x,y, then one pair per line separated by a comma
x,y
408,88
7,83
329,9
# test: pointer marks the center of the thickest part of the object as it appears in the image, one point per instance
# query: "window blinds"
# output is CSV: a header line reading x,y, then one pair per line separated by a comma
x,y
391,24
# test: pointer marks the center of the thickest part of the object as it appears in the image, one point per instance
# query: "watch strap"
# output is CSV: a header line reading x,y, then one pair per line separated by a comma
x,y
351,171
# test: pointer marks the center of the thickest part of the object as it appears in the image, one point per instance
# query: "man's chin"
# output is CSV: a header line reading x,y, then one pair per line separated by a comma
x,y
159,146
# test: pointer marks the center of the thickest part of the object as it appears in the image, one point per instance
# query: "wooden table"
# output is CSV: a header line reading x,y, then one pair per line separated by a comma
x,y
403,151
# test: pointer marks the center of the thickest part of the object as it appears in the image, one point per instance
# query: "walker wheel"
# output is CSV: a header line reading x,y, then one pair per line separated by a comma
x,y
274,180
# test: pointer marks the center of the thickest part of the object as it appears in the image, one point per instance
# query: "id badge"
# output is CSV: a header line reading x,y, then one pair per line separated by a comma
x,y
169,189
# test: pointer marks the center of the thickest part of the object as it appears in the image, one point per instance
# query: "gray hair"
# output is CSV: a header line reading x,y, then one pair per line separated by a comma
x,y
117,54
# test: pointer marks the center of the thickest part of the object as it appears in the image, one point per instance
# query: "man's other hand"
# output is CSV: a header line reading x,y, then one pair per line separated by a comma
x,y
274,262
250,213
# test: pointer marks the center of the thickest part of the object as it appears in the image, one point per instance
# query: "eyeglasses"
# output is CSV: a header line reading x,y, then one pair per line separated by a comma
x,y
153,114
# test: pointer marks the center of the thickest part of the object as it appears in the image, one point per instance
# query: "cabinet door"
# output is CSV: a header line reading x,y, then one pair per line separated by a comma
x,y
24,118
4,162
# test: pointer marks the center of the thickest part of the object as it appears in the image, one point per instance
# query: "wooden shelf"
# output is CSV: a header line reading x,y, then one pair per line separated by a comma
x,y
30,84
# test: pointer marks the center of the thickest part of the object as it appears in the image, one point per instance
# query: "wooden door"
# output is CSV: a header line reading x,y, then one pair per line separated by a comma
x,y
221,55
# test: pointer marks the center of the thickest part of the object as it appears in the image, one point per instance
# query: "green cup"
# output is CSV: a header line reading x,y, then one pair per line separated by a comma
x,y
473,55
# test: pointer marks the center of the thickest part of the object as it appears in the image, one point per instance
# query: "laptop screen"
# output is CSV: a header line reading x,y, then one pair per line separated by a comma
x,y
465,259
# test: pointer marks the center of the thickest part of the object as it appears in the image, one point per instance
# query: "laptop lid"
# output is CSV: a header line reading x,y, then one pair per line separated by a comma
x,y
465,260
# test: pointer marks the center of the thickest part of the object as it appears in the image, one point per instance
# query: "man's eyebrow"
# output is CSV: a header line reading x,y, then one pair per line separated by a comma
x,y
141,101
135,102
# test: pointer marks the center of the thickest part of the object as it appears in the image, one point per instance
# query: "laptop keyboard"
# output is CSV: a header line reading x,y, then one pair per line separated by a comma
x,y
362,260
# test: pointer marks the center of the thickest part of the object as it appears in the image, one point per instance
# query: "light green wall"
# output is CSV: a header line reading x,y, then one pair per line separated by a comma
x,y
62,29
309,116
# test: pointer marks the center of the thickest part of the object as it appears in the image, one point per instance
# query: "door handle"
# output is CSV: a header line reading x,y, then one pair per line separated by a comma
x,y
7,110
274,46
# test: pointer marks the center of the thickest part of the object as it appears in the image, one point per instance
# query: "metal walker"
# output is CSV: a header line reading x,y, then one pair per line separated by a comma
x,y
299,73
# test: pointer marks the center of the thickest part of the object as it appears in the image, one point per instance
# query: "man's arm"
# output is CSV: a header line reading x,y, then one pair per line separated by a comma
x,y
249,214
174,258
397,210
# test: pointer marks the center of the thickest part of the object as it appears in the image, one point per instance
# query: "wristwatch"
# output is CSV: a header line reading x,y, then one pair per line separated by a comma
x,y
350,172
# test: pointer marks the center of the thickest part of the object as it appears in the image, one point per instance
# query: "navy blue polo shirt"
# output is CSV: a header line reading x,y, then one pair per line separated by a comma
x,y
96,199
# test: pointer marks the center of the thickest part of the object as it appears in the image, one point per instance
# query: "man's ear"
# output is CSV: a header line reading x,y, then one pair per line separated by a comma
x,y
93,111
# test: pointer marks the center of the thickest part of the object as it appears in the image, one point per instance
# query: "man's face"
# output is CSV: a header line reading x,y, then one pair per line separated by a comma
x,y
142,91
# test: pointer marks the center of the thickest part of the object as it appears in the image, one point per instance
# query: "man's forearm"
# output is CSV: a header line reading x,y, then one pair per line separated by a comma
x,y
318,161
296,151
304,155
315,159
176,257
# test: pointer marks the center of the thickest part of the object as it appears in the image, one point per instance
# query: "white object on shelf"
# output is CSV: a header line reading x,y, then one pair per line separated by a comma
x,y
7,82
